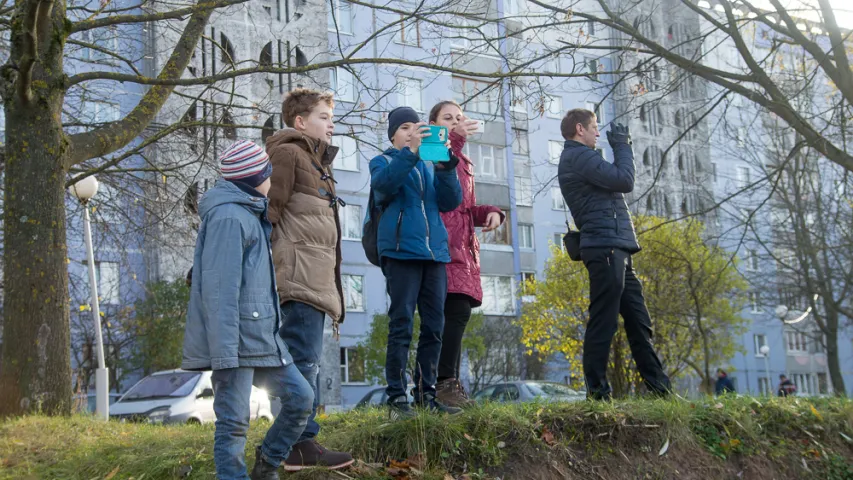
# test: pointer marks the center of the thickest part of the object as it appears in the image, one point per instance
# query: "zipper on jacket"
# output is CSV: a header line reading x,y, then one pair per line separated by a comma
x,y
615,220
422,184
399,223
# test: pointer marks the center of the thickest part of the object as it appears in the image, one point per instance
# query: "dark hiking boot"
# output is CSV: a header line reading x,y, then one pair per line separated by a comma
x,y
399,408
310,454
434,406
263,470
450,392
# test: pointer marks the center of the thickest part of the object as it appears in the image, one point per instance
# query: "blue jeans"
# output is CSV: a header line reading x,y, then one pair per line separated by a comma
x,y
232,389
414,283
302,332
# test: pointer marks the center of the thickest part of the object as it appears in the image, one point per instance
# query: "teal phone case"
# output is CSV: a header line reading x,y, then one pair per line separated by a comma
x,y
434,148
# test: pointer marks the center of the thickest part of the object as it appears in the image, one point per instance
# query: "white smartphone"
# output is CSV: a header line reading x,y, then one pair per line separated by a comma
x,y
481,126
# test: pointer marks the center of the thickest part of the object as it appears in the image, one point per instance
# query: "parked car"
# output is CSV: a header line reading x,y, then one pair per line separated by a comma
x,y
85,402
377,397
527,391
178,396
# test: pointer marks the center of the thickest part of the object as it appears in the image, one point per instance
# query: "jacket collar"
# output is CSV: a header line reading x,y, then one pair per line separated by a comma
x,y
573,143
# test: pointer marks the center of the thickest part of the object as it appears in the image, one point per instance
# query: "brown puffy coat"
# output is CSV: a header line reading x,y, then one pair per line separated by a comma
x,y
306,236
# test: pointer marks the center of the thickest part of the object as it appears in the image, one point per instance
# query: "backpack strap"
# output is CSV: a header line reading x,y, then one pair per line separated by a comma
x,y
371,202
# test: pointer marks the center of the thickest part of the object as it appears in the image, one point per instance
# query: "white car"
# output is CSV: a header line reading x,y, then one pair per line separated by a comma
x,y
178,396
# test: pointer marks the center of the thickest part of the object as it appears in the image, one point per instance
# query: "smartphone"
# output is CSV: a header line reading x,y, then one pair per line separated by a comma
x,y
434,147
481,126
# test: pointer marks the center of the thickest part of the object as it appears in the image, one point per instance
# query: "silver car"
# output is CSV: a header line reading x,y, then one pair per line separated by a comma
x,y
528,391
178,396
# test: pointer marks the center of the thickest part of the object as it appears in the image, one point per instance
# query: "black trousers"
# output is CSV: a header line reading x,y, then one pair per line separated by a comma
x,y
614,290
457,312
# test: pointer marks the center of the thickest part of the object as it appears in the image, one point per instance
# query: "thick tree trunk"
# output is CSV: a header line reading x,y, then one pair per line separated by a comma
x,y
832,361
36,370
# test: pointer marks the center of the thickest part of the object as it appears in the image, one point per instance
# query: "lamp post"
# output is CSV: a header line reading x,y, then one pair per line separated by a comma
x,y
84,190
765,351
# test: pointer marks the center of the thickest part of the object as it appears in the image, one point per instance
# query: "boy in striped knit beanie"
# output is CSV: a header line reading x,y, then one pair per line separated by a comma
x,y
233,319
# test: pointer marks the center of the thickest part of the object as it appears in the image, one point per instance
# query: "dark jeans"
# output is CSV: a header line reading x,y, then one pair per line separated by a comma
x,y
614,290
421,284
457,312
302,332
232,389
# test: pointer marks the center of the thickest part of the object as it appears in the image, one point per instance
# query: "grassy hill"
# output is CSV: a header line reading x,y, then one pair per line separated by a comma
x,y
732,438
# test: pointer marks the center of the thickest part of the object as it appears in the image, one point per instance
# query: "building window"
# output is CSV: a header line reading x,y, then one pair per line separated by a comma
x,y
553,106
409,93
555,149
352,366
498,236
350,222
489,162
268,130
341,14
498,298
410,33
265,60
764,385
557,239
342,82
714,171
598,110
803,383
347,157
101,112
822,384
227,53
107,279
520,142
751,260
527,278
525,235
594,67
819,342
796,342
353,292
518,102
557,200
754,302
524,191
742,177
475,96
759,341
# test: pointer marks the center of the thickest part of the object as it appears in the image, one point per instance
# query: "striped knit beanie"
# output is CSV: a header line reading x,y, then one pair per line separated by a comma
x,y
246,162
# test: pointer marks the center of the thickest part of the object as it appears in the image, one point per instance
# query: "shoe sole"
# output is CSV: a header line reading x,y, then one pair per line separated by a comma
x,y
297,468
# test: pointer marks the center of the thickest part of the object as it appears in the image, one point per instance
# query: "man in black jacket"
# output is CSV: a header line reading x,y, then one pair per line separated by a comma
x,y
594,191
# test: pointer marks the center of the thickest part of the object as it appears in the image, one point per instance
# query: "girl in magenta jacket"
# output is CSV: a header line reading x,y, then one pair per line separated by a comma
x,y
463,272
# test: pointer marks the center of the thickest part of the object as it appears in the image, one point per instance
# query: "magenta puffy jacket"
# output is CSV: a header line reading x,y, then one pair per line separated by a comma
x,y
463,271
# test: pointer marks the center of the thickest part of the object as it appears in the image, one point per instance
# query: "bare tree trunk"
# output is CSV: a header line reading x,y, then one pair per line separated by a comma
x,y
36,370
838,387
36,357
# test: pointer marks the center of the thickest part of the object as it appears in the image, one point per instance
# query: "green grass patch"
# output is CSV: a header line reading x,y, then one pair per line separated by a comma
x,y
713,438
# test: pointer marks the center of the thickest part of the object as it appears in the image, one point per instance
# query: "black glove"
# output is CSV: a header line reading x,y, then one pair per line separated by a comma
x,y
450,164
618,133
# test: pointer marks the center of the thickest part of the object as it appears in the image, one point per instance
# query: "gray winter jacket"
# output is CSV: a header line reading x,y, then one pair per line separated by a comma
x,y
233,315
594,191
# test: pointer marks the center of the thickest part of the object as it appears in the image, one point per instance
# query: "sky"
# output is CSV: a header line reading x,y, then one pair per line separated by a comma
x,y
843,9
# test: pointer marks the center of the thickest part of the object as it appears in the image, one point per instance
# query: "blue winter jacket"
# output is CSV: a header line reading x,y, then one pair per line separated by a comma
x,y
412,193
233,315
594,191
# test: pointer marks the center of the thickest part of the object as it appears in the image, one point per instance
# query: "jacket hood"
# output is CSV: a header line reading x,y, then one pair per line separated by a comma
x,y
226,192
322,151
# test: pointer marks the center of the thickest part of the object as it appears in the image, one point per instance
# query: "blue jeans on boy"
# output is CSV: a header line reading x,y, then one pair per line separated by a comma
x,y
232,389
302,332
412,283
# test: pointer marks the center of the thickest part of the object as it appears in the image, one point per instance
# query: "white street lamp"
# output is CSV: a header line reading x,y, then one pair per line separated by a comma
x,y
765,351
84,190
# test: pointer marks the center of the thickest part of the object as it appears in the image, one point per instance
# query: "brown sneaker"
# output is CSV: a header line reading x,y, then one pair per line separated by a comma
x,y
450,392
310,454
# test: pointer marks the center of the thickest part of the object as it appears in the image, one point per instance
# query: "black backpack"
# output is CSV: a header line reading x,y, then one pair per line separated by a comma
x,y
370,230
